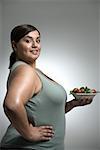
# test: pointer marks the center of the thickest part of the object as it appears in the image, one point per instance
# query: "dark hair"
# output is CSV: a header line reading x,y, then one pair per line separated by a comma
x,y
17,33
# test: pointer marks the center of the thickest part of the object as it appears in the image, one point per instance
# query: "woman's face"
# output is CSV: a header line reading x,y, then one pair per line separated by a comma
x,y
28,48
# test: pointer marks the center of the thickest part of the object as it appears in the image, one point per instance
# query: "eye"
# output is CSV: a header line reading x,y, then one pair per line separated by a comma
x,y
27,41
38,40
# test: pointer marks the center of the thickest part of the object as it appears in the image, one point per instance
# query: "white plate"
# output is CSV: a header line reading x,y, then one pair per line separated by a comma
x,y
83,95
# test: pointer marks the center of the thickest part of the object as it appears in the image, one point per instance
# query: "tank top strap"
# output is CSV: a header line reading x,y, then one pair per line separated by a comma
x,y
16,64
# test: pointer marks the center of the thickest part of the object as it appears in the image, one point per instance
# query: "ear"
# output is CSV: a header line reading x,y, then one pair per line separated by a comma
x,y
13,43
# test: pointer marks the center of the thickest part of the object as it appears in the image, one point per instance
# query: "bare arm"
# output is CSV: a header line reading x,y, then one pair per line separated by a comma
x,y
75,103
19,91
69,105
21,88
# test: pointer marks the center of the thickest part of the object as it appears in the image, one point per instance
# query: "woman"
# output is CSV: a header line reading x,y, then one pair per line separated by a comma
x,y
34,103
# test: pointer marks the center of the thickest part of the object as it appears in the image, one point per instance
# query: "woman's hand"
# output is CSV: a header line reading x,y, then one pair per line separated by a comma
x,y
75,103
42,133
84,101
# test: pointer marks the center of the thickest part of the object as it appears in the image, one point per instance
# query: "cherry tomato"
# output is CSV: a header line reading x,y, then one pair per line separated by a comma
x,y
75,90
79,91
82,90
93,91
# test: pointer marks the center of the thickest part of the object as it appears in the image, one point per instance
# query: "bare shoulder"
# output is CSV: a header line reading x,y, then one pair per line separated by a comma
x,y
23,71
21,84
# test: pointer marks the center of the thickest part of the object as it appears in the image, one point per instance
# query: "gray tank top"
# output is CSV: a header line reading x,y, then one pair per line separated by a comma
x,y
47,107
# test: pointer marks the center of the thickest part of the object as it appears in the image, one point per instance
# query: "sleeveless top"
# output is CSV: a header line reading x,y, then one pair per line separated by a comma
x,y
47,107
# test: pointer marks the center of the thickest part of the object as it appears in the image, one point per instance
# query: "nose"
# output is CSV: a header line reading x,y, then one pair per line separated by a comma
x,y
34,44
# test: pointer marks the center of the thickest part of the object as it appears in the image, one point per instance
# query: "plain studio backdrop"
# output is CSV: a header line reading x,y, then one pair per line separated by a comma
x,y
70,35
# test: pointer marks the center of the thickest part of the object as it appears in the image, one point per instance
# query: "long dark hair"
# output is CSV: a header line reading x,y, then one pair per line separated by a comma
x,y
17,33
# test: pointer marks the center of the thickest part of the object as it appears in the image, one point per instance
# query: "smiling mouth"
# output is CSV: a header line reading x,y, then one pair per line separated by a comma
x,y
35,52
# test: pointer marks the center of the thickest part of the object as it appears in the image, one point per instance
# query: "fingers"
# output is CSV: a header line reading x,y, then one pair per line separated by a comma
x,y
89,100
47,127
44,138
46,132
85,100
42,133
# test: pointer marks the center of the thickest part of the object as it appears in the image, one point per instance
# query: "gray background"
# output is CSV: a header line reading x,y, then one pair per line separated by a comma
x,y
70,54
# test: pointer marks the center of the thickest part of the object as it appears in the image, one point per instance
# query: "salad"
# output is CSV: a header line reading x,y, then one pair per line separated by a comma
x,y
83,90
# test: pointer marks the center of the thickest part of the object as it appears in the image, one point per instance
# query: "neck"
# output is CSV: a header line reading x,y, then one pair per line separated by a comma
x,y
32,64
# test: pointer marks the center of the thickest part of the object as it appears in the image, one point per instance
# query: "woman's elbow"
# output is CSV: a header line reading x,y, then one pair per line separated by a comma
x,y
10,106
